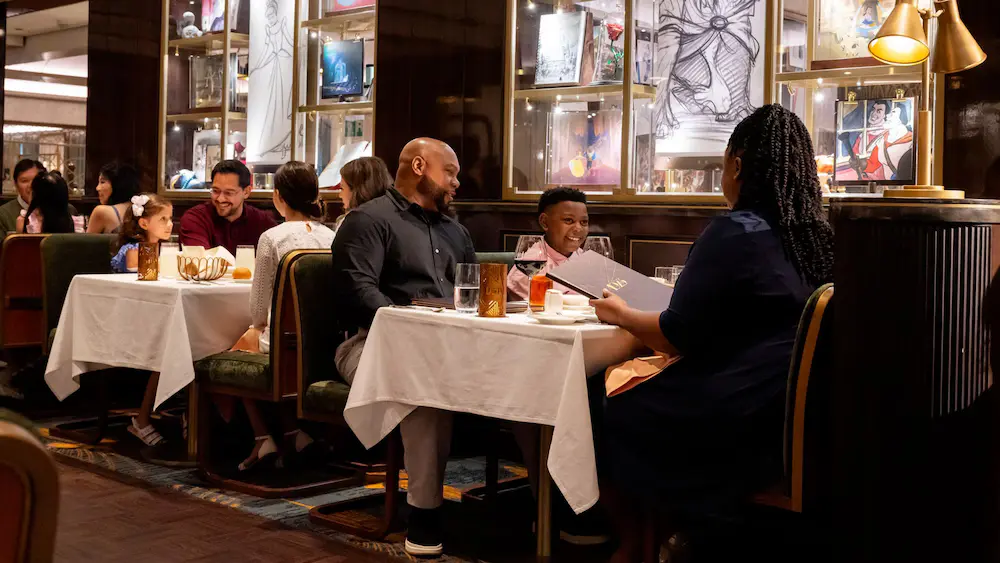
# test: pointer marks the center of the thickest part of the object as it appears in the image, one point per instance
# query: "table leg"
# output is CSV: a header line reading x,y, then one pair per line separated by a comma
x,y
192,416
544,525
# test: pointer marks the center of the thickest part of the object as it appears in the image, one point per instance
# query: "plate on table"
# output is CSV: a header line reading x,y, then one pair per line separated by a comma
x,y
586,315
557,320
248,280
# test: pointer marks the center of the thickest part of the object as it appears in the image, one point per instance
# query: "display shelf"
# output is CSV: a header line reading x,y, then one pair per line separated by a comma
x,y
203,93
340,107
334,89
211,41
849,77
333,21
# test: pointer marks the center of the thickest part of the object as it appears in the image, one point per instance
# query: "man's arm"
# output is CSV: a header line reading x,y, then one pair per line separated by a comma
x,y
196,230
358,254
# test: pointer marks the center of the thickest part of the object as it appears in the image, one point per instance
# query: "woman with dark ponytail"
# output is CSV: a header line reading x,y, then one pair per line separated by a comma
x,y
296,198
692,442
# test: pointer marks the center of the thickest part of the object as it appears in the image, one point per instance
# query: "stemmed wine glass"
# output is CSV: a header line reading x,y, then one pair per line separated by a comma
x,y
600,245
530,258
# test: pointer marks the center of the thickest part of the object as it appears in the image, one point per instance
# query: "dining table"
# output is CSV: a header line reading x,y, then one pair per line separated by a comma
x,y
116,320
510,368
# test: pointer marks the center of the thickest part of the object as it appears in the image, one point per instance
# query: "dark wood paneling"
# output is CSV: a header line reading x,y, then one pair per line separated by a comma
x,y
645,254
972,110
124,81
440,74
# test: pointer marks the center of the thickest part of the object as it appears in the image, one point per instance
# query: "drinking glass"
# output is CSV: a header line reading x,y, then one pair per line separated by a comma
x,y
530,258
149,261
467,288
245,257
675,273
600,245
663,274
168,259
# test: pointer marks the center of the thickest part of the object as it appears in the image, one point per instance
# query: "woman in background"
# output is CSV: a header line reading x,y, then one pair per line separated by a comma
x,y
116,185
362,180
692,442
49,211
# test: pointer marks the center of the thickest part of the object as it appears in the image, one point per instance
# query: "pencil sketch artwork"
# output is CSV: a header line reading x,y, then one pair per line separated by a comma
x,y
560,48
708,71
269,115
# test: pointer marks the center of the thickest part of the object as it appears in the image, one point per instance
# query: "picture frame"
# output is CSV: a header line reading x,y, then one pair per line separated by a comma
x,y
334,6
843,30
875,142
564,58
343,69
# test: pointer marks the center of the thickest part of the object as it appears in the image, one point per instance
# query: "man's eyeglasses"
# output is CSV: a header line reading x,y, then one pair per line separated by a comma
x,y
225,193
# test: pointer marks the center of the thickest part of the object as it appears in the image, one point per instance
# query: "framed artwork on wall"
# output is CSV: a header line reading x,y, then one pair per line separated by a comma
x,y
875,142
564,58
845,27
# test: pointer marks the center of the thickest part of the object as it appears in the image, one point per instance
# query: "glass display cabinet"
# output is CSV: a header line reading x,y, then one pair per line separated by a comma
x,y
204,90
630,99
334,95
634,100
861,113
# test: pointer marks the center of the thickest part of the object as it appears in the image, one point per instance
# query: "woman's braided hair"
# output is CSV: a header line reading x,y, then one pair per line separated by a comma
x,y
779,180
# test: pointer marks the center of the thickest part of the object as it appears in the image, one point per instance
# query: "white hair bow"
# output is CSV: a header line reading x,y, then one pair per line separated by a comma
x,y
139,204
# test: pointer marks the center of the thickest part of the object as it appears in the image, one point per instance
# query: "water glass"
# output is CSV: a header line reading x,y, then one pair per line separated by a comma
x,y
662,274
245,257
675,273
467,288
168,259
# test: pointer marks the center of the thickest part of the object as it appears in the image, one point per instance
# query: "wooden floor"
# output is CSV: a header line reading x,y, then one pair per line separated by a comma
x,y
105,520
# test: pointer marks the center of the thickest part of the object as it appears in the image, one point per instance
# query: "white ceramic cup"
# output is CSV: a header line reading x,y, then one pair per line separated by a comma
x,y
553,301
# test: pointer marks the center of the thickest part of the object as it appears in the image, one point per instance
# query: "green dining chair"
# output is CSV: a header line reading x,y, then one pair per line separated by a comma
x,y
806,442
325,393
63,257
271,377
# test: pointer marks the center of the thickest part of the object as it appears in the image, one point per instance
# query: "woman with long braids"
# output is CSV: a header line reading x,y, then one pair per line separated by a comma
x,y
692,442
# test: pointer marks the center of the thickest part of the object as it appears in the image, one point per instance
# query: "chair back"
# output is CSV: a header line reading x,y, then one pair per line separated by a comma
x,y
319,336
808,380
63,257
284,333
29,487
496,258
22,319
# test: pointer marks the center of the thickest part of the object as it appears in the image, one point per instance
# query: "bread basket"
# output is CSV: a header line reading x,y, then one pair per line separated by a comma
x,y
201,269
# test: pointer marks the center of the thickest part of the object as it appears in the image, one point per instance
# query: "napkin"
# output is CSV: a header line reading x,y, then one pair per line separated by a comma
x,y
624,376
220,252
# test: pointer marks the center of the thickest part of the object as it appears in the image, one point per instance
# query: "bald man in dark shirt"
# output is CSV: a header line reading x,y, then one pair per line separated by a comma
x,y
402,245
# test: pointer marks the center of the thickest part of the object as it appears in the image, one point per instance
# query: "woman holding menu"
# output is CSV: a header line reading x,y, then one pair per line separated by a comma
x,y
706,431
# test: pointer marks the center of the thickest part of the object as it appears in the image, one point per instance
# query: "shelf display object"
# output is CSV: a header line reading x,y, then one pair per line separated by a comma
x,y
206,89
861,113
334,85
630,99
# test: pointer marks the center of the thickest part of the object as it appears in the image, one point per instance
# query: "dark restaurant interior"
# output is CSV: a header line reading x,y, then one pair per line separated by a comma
x,y
636,281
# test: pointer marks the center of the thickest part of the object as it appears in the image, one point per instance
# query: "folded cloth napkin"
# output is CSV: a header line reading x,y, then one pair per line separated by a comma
x,y
626,375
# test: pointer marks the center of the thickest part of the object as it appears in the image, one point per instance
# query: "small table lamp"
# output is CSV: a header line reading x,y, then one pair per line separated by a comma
x,y
902,40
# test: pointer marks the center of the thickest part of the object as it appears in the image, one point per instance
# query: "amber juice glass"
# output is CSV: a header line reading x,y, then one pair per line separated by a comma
x,y
149,261
536,296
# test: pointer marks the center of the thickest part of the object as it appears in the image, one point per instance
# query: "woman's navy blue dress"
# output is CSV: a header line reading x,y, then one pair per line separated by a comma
x,y
706,431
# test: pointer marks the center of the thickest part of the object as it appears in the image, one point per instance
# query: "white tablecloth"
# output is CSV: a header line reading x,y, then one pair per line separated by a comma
x,y
115,320
510,368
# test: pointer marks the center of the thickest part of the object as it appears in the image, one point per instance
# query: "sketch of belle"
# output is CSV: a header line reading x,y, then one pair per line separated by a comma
x,y
706,55
275,69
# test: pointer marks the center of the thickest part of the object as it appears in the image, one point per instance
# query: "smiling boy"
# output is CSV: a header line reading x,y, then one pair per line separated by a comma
x,y
562,214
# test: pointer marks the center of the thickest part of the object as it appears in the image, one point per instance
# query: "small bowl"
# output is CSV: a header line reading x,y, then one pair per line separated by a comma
x,y
201,269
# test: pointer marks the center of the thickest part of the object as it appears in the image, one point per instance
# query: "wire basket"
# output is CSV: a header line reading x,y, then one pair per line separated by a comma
x,y
201,269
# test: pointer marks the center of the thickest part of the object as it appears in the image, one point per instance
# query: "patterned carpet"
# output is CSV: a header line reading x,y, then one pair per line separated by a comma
x,y
478,536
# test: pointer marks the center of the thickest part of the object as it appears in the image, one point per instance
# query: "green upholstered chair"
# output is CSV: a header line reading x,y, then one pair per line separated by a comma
x,y
806,442
63,257
496,258
22,320
325,394
271,377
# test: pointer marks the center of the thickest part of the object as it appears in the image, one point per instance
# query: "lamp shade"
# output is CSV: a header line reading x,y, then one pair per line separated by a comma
x,y
901,39
954,48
